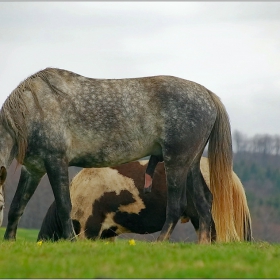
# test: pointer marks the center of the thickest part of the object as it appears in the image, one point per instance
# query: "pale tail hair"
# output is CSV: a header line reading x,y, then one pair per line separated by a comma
x,y
229,210
242,217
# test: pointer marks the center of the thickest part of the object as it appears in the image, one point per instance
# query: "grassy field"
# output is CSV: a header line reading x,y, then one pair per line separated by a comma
x,y
25,258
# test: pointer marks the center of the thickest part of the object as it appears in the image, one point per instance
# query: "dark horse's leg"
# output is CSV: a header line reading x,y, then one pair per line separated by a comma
x,y
176,176
28,183
202,200
153,161
57,170
180,158
191,210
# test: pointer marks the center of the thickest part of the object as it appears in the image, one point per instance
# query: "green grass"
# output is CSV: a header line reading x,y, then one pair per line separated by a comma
x,y
23,234
86,259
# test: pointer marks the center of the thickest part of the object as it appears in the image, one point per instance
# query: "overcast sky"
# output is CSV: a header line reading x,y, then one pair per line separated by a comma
x,y
232,48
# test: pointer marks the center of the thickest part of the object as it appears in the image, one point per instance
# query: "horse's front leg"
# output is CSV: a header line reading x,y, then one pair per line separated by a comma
x,y
57,170
27,185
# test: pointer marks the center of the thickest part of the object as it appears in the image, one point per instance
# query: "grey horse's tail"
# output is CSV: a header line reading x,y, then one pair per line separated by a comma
x,y
230,211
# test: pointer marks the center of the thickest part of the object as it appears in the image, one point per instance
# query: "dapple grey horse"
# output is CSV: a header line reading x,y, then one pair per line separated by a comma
x,y
57,118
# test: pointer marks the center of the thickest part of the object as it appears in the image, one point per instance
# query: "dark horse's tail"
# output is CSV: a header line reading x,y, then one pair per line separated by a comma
x,y
230,210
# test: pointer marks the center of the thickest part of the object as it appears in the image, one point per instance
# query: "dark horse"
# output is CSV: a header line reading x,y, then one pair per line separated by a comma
x,y
56,118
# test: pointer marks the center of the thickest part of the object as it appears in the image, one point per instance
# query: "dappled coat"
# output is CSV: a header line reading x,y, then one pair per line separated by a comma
x,y
110,201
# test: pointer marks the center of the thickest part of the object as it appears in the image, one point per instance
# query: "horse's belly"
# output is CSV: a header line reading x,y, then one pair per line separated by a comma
x,y
111,153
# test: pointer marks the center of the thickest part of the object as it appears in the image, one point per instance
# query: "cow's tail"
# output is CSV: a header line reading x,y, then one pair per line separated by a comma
x,y
230,211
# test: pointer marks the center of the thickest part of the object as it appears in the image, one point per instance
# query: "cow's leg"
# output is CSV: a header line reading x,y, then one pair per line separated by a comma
x,y
202,199
27,185
57,170
153,161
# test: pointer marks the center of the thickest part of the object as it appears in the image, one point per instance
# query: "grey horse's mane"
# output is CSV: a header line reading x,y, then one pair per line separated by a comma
x,y
14,109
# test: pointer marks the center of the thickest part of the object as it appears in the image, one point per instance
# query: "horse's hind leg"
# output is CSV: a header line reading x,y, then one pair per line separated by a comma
x,y
202,199
209,199
27,185
191,209
57,170
176,175
153,161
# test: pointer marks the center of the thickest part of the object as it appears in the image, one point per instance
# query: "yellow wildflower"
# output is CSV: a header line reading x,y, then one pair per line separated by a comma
x,y
39,243
131,242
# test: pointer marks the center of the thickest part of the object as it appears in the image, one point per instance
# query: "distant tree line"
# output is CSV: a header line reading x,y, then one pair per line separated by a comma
x,y
259,143
257,158
257,163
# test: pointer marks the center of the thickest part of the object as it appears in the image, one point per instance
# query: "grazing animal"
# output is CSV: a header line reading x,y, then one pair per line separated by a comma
x,y
110,201
56,118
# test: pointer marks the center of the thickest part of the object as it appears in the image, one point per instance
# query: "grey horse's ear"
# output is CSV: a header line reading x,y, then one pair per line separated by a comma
x,y
3,175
